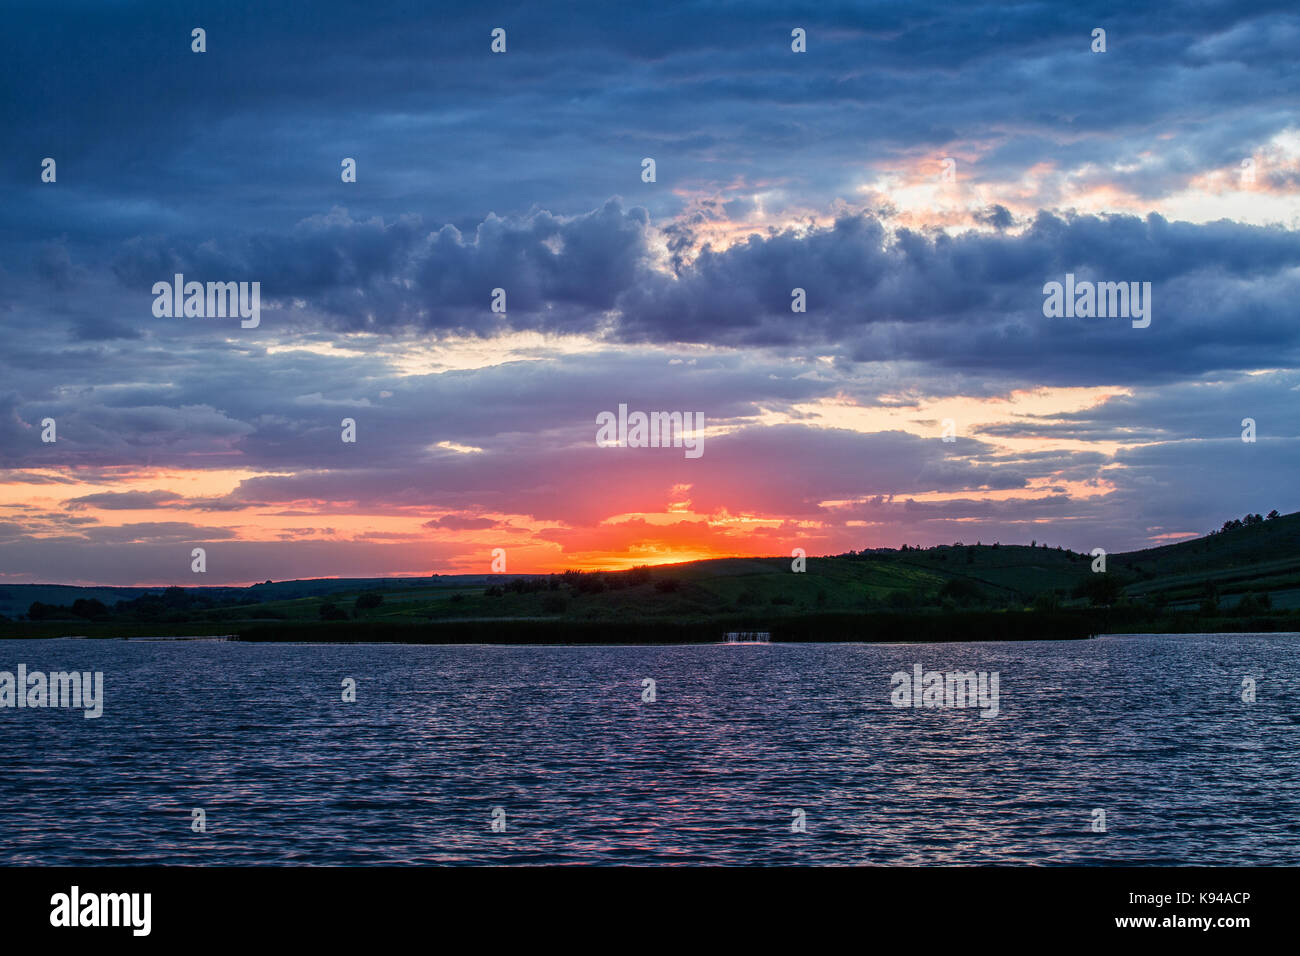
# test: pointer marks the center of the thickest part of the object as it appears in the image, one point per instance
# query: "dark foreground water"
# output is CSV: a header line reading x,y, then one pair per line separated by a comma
x,y
1151,729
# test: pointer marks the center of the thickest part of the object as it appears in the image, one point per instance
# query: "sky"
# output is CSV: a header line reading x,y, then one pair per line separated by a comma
x,y
920,170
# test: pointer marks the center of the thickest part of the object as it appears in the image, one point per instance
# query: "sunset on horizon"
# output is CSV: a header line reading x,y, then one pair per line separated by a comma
x,y
647,198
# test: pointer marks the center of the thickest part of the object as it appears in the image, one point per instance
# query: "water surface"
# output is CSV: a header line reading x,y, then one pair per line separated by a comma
x,y
1152,729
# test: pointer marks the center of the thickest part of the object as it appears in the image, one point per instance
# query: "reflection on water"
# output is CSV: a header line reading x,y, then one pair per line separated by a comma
x,y
1151,729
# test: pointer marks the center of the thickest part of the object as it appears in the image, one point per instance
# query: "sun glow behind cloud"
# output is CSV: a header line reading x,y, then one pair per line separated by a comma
x,y
225,505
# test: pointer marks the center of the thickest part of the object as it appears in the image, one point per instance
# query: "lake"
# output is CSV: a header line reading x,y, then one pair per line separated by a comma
x,y
560,746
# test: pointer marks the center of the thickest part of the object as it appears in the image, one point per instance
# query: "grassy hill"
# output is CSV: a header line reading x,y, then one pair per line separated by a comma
x,y
1247,575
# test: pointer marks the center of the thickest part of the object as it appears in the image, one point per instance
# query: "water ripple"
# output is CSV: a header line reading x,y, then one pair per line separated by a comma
x,y
1152,729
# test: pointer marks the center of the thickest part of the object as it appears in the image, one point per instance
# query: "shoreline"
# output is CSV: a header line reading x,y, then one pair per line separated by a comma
x,y
955,627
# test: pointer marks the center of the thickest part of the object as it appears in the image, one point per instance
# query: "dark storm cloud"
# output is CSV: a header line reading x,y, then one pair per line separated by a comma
x,y
482,171
154,139
1223,293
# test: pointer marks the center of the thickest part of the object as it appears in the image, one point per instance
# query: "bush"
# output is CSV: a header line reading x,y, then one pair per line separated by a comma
x,y
1046,601
368,601
91,610
332,612
638,576
526,585
554,604
43,612
584,582
961,591
1100,589
898,599
1251,603
667,585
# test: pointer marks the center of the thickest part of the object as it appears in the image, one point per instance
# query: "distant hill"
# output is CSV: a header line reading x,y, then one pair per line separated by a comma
x,y
15,599
1217,582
